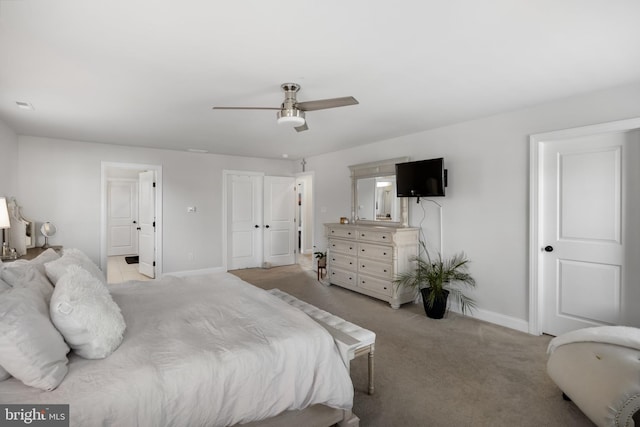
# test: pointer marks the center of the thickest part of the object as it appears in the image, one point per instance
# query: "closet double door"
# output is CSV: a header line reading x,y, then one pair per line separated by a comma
x,y
260,221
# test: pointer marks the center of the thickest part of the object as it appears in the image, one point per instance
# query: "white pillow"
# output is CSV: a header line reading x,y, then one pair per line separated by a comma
x,y
55,269
4,287
12,272
34,279
31,349
84,312
4,375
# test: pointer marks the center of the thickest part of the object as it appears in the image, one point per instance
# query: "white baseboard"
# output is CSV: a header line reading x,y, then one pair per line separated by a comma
x,y
502,320
496,318
186,273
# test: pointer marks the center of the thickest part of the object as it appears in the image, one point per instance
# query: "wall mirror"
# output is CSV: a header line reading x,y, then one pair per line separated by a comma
x,y
373,194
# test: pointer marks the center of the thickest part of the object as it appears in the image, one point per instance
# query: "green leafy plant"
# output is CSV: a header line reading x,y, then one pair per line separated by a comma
x,y
320,255
441,275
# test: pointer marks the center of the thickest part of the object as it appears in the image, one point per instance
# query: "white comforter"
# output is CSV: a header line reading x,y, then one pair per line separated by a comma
x,y
204,350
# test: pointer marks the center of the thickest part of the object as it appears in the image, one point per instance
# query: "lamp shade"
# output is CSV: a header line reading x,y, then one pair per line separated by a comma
x,y
293,117
4,214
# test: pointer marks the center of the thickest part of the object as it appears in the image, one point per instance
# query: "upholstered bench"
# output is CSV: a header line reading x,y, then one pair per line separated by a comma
x,y
598,368
352,340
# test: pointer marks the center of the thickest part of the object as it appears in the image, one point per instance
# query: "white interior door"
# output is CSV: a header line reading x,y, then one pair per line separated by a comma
x,y
146,224
244,204
122,214
590,227
279,220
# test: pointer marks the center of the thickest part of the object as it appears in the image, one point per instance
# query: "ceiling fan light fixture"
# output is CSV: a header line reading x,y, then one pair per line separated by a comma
x,y
292,117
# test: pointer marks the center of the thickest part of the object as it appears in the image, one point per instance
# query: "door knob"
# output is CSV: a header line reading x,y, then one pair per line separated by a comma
x,y
135,222
138,228
548,248
256,226
266,226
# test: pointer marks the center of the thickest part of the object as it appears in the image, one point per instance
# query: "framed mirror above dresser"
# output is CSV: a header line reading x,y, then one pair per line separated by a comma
x,y
366,255
373,194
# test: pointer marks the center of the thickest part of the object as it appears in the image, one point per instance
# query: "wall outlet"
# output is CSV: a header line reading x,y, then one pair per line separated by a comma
x,y
191,209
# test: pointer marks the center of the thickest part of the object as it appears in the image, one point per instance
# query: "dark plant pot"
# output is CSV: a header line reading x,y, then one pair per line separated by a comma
x,y
439,305
322,262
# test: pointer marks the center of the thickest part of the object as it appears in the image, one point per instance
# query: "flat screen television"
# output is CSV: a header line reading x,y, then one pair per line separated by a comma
x,y
422,178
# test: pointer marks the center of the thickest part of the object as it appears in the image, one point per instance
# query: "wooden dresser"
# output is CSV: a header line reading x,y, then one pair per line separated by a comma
x,y
366,259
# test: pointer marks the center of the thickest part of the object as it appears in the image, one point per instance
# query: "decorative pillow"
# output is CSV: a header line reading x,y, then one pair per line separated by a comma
x,y
34,279
31,349
56,269
84,312
4,375
4,286
13,272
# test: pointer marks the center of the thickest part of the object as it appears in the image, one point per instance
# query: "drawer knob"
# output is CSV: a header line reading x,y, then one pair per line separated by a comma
x,y
350,263
384,253
362,265
384,237
349,233
362,250
385,270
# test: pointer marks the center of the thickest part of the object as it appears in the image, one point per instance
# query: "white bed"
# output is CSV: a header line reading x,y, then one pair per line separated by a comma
x,y
203,350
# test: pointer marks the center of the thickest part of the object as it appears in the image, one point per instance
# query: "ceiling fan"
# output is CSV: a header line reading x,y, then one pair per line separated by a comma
x,y
292,112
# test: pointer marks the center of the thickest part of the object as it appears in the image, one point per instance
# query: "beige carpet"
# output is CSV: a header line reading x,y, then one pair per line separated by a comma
x,y
451,372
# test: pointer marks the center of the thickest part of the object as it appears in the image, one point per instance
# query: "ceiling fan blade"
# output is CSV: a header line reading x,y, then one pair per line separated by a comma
x,y
246,108
302,128
326,103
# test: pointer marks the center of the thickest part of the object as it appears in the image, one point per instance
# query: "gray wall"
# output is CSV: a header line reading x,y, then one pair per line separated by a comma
x,y
485,212
8,161
60,181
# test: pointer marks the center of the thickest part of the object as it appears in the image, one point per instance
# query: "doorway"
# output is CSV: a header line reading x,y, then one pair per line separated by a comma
x,y
584,222
304,220
131,221
259,220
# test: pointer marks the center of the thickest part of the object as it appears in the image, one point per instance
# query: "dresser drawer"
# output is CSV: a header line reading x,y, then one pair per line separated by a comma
x,y
382,253
377,285
373,268
343,232
376,236
345,247
343,277
343,261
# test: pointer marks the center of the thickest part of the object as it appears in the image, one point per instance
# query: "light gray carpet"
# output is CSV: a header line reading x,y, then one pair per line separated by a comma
x,y
451,372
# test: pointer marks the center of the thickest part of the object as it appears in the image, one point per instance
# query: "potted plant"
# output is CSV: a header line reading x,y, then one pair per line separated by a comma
x,y
437,278
322,258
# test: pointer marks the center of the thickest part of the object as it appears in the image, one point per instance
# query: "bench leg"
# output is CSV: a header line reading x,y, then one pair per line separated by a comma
x,y
371,370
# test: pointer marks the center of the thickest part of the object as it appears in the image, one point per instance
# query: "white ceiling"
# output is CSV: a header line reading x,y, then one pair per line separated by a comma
x,y
147,72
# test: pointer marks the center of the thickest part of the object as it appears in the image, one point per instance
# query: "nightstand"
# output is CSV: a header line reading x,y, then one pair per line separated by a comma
x,y
34,252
